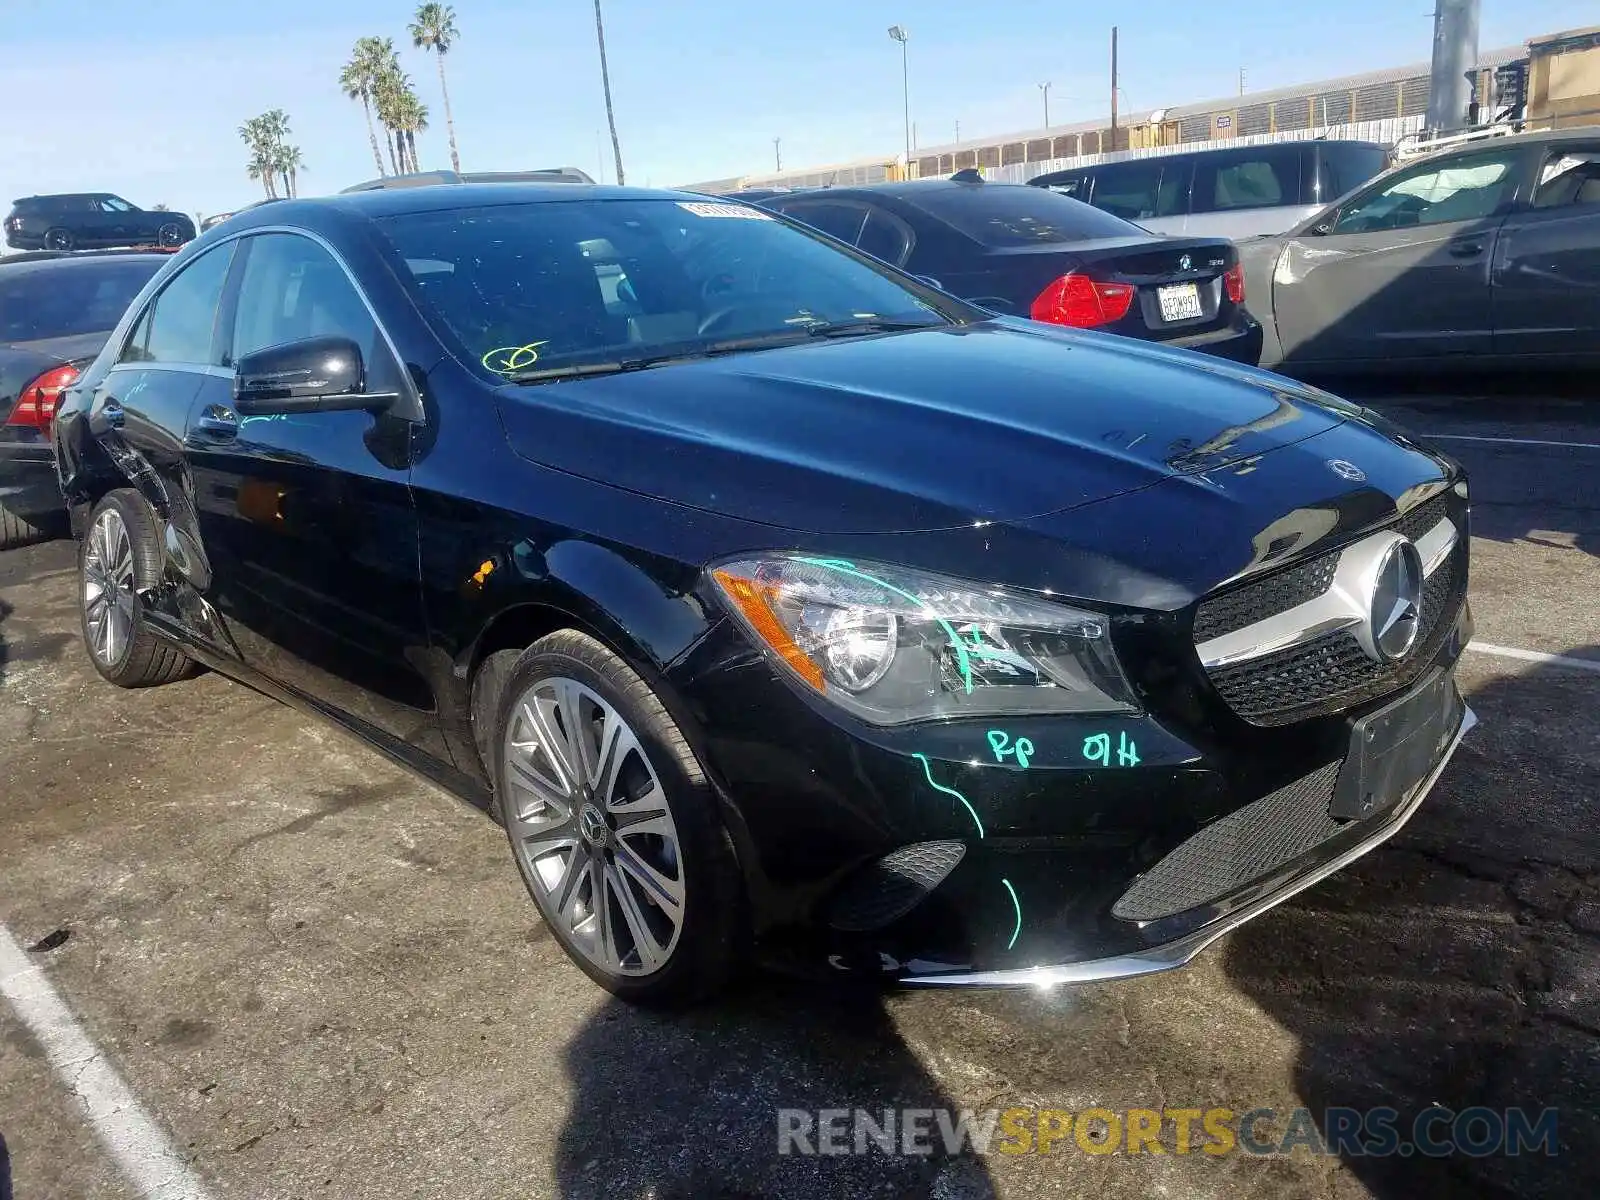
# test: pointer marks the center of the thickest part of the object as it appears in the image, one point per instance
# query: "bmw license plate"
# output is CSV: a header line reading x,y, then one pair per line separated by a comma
x,y
1180,302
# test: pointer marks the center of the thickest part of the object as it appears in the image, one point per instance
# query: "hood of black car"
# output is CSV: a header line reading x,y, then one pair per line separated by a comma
x,y
933,429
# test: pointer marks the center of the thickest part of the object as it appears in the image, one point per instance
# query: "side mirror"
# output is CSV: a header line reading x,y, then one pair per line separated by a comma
x,y
318,374
1322,228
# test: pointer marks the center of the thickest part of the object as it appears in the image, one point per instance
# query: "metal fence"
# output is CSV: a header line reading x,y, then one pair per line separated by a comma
x,y
1387,132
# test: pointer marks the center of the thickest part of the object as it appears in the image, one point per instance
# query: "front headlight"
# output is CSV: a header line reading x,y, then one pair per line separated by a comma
x,y
893,645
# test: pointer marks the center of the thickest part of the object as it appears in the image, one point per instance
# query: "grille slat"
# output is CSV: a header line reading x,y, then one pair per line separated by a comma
x,y
1330,673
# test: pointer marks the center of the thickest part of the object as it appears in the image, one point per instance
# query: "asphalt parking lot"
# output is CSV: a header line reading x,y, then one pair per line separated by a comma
x,y
313,975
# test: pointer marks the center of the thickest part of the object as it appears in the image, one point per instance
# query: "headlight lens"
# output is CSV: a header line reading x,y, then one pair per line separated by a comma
x,y
894,645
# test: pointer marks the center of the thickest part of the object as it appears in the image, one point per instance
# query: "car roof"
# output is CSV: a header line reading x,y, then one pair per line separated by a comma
x,y
391,202
70,259
909,189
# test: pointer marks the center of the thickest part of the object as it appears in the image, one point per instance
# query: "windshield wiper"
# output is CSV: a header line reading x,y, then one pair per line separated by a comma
x,y
793,336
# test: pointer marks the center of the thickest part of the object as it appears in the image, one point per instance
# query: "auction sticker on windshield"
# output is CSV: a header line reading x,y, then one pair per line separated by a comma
x,y
702,209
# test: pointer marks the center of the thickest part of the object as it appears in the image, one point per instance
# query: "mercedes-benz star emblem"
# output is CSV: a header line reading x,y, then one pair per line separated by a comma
x,y
1396,613
593,825
1346,470
1185,263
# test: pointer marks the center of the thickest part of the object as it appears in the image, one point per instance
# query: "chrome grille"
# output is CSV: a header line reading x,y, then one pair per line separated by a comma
x,y
1328,672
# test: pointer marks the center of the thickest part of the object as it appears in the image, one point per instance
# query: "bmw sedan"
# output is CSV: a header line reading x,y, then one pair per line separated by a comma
x,y
778,605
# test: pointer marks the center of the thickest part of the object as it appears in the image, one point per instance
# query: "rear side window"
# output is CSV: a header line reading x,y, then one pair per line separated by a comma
x,y
179,325
1266,177
1346,166
1143,188
61,299
836,218
998,214
884,237
1570,177
1074,184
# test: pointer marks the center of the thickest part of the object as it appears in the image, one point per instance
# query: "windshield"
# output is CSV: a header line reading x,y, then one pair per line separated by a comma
x,y
67,297
1017,215
533,288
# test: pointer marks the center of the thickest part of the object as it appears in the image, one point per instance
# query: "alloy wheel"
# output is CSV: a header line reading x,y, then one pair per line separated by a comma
x,y
170,234
58,239
108,588
590,822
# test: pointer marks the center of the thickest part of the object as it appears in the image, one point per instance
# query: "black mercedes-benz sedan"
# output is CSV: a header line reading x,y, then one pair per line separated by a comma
x,y
777,604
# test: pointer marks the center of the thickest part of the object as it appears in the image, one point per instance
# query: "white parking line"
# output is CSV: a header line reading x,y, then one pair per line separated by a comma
x,y
149,1161
1536,656
1462,437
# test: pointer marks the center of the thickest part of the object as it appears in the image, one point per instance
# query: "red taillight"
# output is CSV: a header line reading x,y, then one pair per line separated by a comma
x,y
1233,281
1082,302
36,406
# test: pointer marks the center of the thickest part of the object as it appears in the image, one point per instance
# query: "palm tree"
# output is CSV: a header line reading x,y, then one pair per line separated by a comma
x,y
389,96
289,163
359,79
413,116
258,141
605,80
435,29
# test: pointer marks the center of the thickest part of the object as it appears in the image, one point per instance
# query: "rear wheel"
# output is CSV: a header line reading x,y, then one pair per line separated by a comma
x,y
170,234
59,239
118,559
612,823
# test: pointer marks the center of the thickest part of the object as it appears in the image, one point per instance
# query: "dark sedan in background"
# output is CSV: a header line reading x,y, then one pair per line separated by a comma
x,y
1485,255
767,595
56,311
1034,253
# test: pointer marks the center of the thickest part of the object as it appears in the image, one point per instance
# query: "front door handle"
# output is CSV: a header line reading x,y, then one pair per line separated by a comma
x,y
1466,248
218,420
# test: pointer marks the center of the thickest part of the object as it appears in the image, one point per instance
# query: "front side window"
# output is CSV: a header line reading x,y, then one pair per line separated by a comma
x,y
564,286
1569,177
68,297
179,326
115,204
291,289
1464,189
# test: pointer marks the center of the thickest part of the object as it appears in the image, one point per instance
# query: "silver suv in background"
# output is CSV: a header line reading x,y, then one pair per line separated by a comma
x,y
1238,192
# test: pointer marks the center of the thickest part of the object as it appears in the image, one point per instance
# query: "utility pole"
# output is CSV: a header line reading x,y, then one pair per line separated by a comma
x,y
1113,87
1241,81
1045,88
899,34
958,131
1455,52
777,153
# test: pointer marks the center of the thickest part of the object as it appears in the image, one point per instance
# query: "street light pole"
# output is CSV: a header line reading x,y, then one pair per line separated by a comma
x,y
899,34
777,153
1045,88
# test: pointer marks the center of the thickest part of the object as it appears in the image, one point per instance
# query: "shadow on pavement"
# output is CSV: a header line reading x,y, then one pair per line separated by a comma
x,y
1459,965
685,1106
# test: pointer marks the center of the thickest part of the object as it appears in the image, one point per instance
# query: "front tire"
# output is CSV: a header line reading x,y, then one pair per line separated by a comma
x,y
170,235
118,560
612,823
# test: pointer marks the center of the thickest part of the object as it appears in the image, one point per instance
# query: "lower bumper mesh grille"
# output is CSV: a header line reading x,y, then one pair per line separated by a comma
x,y
1236,850
886,890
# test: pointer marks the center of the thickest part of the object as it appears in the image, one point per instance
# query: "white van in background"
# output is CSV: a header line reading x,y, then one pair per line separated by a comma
x,y
1236,192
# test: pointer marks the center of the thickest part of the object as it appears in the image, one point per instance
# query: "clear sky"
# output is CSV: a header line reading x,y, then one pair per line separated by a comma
x,y
144,97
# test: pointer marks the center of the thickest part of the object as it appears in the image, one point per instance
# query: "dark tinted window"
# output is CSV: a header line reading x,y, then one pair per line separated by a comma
x,y
1570,176
573,283
1261,177
1068,183
180,325
66,297
999,214
836,219
1468,188
1346,166
884,237
1142,188
291,289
